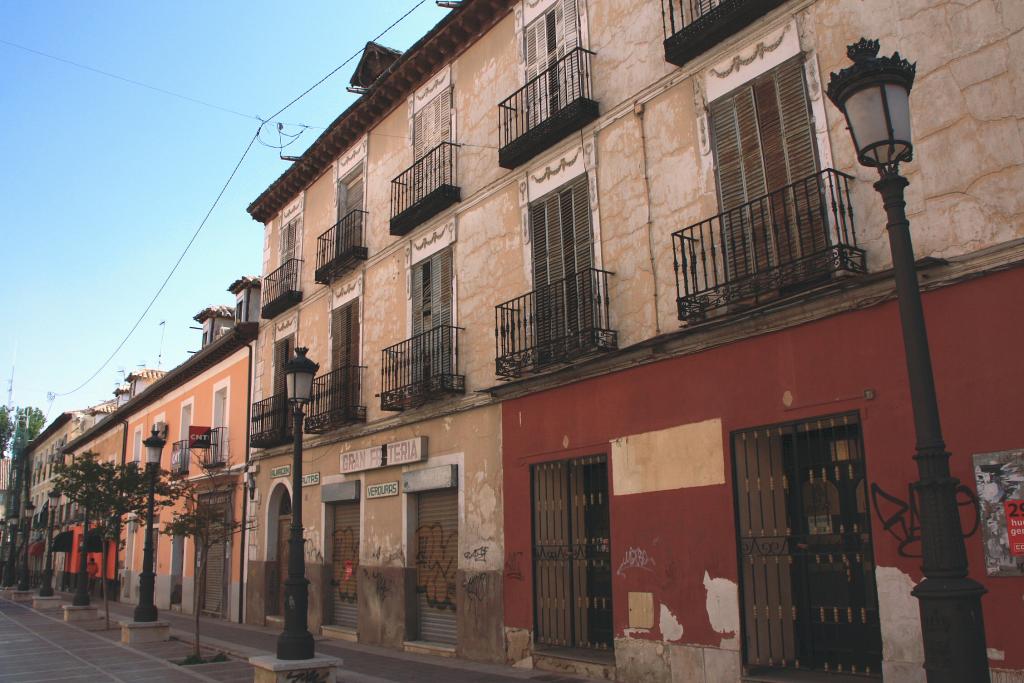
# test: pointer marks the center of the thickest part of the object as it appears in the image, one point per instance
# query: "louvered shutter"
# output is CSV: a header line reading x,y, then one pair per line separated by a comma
x,y
354,195
419,272
288,240
345,335
441,288
282,352
569,24
432,124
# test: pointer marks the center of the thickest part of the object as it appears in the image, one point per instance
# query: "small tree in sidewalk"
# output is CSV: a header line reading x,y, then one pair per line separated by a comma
x,y
109,492
205,516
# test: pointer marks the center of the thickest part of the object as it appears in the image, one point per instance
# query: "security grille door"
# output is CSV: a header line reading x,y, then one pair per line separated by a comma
x,y
562,256
572,554
437,561
213,596
764,142
345,565
807,567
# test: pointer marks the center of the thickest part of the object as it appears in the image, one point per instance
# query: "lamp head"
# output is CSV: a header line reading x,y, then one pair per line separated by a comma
x,y
299,373
154,446
874,96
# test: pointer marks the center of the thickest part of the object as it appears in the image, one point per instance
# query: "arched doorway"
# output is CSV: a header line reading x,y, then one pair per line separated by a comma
x,y
279,521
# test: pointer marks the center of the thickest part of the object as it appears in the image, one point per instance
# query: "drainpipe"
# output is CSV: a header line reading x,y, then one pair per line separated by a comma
x,y
117,531
245,491
638,110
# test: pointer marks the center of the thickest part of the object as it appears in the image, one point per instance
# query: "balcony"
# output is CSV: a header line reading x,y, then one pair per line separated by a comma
x,y
424,189
694,26
797,237
340,248
281,289
551,105
420,369
335,400
181,457
215,451
271,423
557,323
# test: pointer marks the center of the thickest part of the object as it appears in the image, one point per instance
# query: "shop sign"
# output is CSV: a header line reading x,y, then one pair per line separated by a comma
x,y
388,488
386,455
999,478
311,479
282,471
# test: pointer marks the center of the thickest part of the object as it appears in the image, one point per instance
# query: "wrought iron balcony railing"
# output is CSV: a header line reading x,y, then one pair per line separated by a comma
x,y
217,454
694,26
556,323
281,289
787,240
340,248
424,189
335,400
181,457
420,369
271,423
551,105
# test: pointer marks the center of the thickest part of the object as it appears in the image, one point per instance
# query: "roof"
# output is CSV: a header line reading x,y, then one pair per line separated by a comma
x,y
145,373
105,407
448,39
50,430
244,282
375,60
238,337
214,312
122,389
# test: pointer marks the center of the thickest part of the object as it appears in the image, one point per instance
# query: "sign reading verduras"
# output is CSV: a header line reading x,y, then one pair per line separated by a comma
x,y
1000,481
388,488
386,455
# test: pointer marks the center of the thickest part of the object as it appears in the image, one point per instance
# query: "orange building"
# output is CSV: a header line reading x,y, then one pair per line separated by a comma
x,y
200,407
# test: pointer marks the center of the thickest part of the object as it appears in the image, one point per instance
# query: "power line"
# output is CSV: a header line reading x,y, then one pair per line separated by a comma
x,y
216,201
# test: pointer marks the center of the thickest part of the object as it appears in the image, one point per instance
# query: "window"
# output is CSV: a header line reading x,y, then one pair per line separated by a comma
x,y
345,335
551,36
282,354
432,124
350,194
137,445
289,240
186,421
432,292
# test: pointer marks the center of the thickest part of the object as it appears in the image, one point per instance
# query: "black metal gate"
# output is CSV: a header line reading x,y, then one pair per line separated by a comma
x,y
572,554
806,564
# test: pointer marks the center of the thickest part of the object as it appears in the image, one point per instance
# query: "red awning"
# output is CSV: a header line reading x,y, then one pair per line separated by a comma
x,y
37,549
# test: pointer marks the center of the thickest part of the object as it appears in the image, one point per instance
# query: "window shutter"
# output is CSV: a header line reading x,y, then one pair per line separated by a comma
x,y
432,124
417,295
282,353
539,240
536,48
569,25
581,224
441,288
354,195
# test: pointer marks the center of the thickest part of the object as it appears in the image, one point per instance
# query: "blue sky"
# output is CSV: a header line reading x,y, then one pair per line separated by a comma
x,y
104,182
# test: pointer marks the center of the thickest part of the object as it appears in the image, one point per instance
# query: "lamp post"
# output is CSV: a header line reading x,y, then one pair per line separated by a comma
x,y
46,588
874,95
12,547
23,584
296,642
146,610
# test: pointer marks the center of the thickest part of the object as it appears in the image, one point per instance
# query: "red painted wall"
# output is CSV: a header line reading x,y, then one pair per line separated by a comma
x,y
976,331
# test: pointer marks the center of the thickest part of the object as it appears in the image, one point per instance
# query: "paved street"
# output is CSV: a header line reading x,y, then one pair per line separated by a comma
x,y
40,647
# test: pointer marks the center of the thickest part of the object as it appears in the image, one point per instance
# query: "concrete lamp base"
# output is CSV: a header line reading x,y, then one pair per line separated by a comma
x,y
269,669
46,603
23,596
145,631
82,613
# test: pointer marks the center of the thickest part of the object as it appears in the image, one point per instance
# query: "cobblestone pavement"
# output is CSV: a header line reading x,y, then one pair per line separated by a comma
x,y
40,647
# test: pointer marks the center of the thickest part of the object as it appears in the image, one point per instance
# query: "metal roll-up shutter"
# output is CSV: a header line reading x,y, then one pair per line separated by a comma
x,y
345,565
437,560
213,596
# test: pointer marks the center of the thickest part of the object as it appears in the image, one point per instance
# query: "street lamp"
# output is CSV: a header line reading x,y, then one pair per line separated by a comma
x,y
146,610
46,589
296,642
874,95
12,545
23,584
81,596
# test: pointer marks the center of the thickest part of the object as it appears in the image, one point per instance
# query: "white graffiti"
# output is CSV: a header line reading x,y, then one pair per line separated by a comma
x,y
635,558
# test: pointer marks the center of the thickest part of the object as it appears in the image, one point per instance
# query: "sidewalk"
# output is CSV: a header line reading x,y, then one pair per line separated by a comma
x,y
27,634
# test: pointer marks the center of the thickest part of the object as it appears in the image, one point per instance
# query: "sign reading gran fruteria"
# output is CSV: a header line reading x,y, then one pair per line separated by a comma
x,y
1000,481
387,455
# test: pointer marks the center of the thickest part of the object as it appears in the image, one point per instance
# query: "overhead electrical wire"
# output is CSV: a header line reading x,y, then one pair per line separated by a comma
x,y
224,187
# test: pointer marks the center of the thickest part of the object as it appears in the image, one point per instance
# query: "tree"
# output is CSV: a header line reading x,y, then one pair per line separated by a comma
x,y
7,425
108,492
205,516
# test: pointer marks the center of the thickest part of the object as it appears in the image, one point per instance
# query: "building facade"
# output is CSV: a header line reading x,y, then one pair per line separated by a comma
x,y
610,367
200,407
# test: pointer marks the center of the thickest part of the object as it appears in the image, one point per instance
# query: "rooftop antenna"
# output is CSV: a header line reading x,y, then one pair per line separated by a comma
x,y
160,355
10,382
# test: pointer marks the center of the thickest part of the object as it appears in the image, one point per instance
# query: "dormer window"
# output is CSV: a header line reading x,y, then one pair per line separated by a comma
x,y
247,298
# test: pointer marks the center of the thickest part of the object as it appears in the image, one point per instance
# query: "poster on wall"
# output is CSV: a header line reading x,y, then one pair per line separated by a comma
x,y
1000,481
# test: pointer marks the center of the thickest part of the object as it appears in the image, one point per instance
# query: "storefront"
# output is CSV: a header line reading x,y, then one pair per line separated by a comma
x,y
747,504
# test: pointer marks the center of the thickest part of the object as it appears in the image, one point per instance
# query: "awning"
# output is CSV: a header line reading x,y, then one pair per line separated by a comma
x,y
95,542
36,549
62,542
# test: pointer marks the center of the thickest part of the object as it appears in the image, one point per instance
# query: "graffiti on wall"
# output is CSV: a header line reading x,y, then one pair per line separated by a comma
x,y
999,478
514,566
635,558
436,564
901,518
